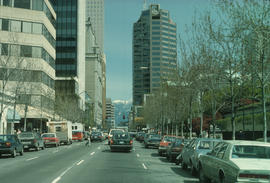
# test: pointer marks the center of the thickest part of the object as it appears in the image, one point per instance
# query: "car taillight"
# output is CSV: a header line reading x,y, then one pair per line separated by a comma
x,y
35,140
111,141
8,144
130,141
257,176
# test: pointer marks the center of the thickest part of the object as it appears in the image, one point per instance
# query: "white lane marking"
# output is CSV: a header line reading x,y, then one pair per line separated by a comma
x,y
144,166
92,153
80,162
68,147
138,155
55,151
56,180
32,158
99,147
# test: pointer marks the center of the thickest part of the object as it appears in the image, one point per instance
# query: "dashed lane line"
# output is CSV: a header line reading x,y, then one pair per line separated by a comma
x,y
138,155
80,162
144,166
92,153
32,158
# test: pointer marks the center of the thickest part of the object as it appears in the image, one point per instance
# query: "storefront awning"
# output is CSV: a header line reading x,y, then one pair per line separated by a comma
x,y
10,116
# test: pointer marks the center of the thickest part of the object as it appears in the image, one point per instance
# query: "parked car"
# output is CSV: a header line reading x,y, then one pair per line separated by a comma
x,y
152,140
196,148
50,139
174,149
31,140
97,136
236,161
164,143
121,141
179,158
133,134
10,144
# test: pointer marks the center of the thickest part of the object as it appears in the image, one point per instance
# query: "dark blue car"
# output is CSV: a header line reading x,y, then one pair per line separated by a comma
x,y
10,144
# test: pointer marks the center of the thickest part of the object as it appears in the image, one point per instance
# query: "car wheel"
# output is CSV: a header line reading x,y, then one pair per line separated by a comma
x,y
221,177
203,178
146,146
160,153
14,153
21,153
193,170
170,158
37,148
184,166
177,162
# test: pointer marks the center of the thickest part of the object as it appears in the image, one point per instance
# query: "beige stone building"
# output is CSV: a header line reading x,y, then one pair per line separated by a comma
x,y
27,61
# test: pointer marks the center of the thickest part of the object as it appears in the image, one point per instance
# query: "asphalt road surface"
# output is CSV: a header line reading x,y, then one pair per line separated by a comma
x,y
95,164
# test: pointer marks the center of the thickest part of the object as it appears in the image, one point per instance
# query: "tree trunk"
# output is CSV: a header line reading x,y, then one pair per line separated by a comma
x,y
182,128
264,114
233,112
25,115
201,115
176,130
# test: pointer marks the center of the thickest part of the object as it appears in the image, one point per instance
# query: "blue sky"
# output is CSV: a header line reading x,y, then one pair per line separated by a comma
x,y
119,18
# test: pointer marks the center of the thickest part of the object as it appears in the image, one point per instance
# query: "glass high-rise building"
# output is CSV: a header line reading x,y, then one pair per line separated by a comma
x,y
154,51
70,47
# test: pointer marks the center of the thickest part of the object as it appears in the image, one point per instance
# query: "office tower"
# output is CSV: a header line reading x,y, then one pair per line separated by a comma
x,y
154,51
95,10
70,51
27,64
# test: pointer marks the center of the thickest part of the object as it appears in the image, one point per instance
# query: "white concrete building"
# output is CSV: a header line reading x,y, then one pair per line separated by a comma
x,y
93,73
27,60
95,10
110,116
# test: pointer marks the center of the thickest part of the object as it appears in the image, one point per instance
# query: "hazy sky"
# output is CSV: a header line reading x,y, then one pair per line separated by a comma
x,y
119,18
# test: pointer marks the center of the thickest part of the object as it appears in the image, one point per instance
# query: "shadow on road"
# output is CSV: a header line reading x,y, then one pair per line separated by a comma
x,y
181,172
190,181
155,155
164,160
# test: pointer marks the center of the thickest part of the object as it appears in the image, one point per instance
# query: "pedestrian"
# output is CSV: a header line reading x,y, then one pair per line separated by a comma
x,y
88,143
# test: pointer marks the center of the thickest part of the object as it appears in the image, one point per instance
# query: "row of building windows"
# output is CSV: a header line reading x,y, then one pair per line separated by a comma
x,y
155,53
38,5
155,43
169,25
169,30
169,55
155,22
155,33
26,51
171,50
172,46
156,74
155,79
155,48
21,75
169,35
168,40
65,67
27,27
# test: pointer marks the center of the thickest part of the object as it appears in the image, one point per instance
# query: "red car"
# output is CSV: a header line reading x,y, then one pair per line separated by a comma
x,y
50,139
164,143
77,135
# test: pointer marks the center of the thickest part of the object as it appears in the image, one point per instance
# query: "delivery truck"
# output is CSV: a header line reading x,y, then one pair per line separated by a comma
x,y
62,129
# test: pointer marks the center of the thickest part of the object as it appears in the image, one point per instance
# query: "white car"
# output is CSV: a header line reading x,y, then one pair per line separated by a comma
x,y
236,161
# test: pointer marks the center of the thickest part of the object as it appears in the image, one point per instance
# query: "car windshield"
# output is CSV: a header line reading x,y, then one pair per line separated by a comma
x,y
96,133
48,135
22,135
204,145
248,151
178,142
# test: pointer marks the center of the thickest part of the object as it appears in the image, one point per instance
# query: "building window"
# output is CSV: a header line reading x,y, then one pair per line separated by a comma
x,y
26,51
6,2
22,4
27,27
4,49
37,5
5,24
36,52
37,28
15,50
15,26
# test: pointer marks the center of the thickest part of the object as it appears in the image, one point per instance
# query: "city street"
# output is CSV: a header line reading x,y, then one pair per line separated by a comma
x,y
80,164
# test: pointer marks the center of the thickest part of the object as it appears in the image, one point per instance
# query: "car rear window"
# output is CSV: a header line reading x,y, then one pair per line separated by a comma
x,y
249,151
204,145
4,138
48,135
168,139
121,135
26,135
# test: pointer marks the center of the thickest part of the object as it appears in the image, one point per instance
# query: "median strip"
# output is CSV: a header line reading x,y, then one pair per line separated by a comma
x,y
32,158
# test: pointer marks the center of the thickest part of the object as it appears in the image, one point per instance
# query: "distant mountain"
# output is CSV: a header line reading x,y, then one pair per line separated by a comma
x,y
122,108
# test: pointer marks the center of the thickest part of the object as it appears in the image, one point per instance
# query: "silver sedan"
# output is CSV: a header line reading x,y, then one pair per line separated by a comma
x,y
236,161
